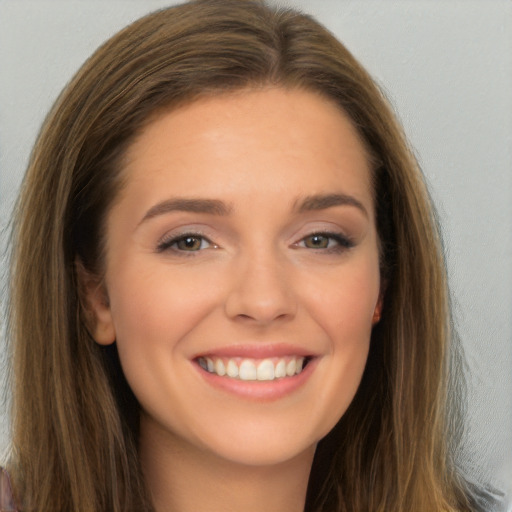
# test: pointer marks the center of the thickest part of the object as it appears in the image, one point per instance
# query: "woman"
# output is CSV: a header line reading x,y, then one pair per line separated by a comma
x,y
228,287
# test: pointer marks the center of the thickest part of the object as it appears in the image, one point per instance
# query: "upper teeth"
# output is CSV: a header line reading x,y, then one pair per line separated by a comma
x,y
253,369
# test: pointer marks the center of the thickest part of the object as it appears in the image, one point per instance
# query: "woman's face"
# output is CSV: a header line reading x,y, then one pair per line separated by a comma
x,y
243,248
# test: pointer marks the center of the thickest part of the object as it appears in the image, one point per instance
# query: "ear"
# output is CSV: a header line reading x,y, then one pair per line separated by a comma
x,y
95,305
377,312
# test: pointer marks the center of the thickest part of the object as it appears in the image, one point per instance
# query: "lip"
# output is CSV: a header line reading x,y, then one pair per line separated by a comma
x,y
259,351
261,391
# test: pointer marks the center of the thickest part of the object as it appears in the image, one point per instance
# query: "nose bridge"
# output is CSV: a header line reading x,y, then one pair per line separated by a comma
x,y
261,287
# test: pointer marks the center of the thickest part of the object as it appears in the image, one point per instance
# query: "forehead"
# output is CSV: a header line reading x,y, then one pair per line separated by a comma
x,y
270,134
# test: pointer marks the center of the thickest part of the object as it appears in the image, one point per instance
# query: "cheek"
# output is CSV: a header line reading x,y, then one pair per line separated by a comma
x,y
345,303
343,308
154,312
158,308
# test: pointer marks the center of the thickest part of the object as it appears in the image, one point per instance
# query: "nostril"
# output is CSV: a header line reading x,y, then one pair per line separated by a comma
x,y
260,289
263,318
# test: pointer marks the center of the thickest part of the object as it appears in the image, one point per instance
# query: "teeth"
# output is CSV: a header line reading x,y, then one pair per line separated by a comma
x,y
232,369
251,369
291,367
266,370
280,370
247,370
220,369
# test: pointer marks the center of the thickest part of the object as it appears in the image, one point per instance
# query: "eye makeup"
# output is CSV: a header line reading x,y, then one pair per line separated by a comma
x,y
330,242
193,242
187,242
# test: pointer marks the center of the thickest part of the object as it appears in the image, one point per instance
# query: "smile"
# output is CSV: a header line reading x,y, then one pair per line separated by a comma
x,y
248,369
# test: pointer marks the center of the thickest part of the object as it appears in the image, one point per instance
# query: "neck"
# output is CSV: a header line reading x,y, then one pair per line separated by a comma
x,y
183,478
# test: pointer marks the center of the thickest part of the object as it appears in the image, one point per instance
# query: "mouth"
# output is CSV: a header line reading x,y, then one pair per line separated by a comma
x,y
249,369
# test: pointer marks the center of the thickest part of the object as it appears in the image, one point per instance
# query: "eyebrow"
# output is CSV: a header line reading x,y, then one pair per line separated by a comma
x,y
209,206
217,207
324,201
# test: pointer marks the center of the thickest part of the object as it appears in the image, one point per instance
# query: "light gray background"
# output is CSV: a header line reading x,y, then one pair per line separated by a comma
x,y
446,66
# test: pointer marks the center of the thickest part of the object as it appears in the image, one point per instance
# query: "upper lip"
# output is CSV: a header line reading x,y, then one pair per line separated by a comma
x,y
256,351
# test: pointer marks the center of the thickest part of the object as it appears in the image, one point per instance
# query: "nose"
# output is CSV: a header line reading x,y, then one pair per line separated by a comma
x,y
261,291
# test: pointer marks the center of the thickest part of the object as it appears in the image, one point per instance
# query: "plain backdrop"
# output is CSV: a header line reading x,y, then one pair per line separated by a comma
x,y
445,65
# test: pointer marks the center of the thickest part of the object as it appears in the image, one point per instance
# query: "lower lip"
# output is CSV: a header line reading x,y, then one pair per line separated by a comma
x,y
258,390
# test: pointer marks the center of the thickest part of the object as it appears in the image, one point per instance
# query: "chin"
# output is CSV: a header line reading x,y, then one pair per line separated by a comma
x,y
264,454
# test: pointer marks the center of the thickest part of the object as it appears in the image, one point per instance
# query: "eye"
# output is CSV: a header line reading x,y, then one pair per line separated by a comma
x,y
189,242
326,241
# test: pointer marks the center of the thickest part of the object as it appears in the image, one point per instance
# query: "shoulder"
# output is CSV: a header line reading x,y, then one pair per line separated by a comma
x,y
6,496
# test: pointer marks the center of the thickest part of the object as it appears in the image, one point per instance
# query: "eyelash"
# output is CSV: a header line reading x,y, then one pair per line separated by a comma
x,y
167,243
342,243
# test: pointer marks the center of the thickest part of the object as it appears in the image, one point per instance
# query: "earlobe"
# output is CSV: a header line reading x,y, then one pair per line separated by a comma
x,y
377,312
95,306
102,328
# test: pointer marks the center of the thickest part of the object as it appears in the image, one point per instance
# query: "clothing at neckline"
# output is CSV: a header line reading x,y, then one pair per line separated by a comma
x,y
7,503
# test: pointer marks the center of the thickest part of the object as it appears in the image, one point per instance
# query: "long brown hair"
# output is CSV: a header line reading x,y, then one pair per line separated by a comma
x,y
75,421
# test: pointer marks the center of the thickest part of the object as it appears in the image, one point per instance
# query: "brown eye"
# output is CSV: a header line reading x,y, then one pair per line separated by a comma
x,y
327,242
317,241
185,243
189,243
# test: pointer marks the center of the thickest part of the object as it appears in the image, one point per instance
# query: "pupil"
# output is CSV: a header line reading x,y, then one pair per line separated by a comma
x,y
318,241
190,243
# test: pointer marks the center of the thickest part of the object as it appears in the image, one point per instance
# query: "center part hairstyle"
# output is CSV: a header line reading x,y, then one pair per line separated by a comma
x,y
75,420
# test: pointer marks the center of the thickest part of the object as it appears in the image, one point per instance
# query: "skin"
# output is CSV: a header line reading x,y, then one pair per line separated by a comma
x,y
255,277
